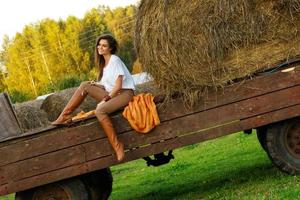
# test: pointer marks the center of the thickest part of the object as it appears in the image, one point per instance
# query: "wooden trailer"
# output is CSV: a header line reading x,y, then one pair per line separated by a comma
x,y
73,162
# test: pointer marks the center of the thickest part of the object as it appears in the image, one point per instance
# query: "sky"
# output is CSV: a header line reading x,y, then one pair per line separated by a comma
x,y
15,14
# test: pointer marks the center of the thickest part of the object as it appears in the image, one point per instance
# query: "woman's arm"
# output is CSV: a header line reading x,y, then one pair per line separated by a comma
x,y
118,86
116,89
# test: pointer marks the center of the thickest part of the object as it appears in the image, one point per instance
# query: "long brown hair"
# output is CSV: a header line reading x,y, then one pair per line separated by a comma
x,y
99,59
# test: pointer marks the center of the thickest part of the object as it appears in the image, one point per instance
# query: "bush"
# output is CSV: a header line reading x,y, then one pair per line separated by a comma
x,y
65,82
68,82
18,96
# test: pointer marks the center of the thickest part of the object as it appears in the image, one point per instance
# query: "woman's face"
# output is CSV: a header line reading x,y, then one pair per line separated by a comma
x,y
103,47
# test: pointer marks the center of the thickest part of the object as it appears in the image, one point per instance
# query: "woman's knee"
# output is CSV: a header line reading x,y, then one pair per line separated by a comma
x,y
84,86
101,111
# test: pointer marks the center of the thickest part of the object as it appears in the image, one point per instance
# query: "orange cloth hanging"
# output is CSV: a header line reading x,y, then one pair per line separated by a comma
x,y
141,113
83,115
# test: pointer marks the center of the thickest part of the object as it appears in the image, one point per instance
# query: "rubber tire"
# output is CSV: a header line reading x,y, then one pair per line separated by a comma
x,y
99,184
261,134
277,150
74,187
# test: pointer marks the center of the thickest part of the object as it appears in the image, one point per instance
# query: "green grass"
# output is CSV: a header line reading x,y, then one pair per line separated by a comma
x,y
232,167
8,197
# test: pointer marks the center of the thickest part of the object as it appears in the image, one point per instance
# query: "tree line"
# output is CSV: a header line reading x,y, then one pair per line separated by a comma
x,y
50,55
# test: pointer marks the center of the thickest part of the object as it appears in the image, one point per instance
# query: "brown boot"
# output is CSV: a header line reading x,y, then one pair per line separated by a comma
x,y
112,137
75,101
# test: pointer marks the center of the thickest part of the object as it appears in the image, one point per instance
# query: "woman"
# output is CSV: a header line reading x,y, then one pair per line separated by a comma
x,y
114,90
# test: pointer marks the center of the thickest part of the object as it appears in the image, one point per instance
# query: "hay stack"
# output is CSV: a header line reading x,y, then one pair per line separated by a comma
x,y
31,116
55,103
189,46
148,87
39,113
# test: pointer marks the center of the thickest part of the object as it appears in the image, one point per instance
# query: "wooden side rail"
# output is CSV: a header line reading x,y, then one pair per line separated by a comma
x,y
9,125
61,153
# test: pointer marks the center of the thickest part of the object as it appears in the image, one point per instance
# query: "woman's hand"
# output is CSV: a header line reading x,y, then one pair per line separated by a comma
x,y
102,102
107,98
93,83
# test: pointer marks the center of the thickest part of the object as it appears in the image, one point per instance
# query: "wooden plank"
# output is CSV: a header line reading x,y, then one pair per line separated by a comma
x,y
233,127
179,126
191,138
9,125
50,177
201,120
42,164
169,129
55,140
234,93
59,139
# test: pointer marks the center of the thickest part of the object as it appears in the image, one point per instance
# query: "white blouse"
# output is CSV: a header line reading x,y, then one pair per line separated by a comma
x,y
112,71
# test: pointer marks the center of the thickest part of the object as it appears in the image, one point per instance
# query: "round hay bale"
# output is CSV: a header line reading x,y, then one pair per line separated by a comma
x,y
30,115
148,87
55,103
189,46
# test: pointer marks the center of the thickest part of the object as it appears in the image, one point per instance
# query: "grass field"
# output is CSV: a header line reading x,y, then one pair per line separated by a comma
x,y
232,167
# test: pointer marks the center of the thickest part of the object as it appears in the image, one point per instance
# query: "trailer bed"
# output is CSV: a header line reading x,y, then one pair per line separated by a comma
x,y
53,154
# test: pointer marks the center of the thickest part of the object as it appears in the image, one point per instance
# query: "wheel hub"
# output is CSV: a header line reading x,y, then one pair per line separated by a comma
x,y
51,193
292,140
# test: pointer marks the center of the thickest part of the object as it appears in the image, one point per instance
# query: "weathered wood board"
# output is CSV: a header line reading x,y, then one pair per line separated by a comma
x,y
9,125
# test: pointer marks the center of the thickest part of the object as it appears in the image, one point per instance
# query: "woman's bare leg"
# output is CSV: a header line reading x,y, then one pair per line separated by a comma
x,y
85,88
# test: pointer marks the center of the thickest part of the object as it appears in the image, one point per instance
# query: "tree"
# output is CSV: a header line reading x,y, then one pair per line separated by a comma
x,y
19,66
48,52
93,26
120,22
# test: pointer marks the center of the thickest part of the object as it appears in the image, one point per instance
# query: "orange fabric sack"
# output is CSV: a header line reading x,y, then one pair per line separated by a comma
x,y
83,115
141,113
